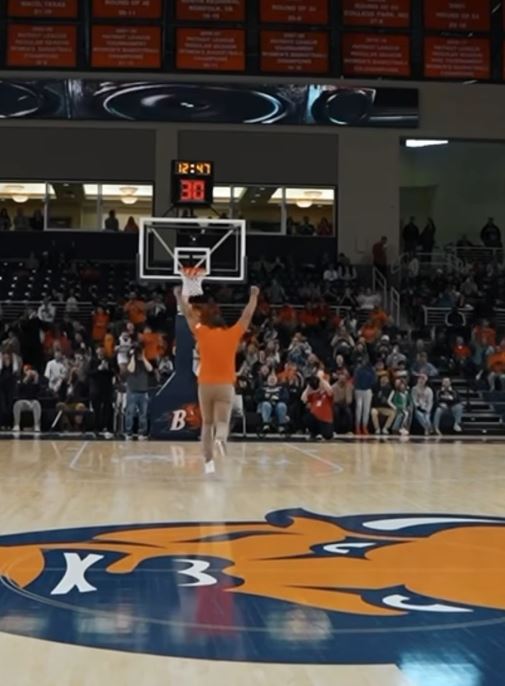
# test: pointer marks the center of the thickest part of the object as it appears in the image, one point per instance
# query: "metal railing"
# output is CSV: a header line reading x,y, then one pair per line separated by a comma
x,y
395,305
380,285
436,316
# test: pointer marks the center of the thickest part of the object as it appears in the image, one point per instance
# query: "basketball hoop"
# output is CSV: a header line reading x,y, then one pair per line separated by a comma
x,y
192,278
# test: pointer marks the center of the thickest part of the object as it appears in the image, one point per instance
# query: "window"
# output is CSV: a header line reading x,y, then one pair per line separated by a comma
x,y
74,205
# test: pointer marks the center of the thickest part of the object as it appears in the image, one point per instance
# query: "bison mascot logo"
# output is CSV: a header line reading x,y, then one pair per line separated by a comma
x,y
296,587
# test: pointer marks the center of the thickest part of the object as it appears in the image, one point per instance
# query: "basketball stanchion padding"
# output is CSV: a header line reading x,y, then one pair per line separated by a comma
x,y
192,278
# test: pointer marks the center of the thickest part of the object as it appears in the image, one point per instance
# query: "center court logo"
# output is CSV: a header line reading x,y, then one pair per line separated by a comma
x,y
296,587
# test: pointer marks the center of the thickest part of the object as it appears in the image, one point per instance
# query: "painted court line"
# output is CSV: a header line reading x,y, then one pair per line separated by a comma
x,y
78,454
307,453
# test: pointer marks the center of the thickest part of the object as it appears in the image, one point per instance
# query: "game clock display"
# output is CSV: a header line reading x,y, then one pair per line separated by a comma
x,y
192,183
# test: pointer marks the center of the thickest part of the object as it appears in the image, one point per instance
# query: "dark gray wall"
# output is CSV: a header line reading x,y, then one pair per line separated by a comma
x,y
77,154
271,157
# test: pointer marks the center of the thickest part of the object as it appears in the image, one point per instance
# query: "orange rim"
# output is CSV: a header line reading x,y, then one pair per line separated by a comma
x,y
193,271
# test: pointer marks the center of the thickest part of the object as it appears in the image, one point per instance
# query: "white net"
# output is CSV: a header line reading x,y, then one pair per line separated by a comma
x,y
192,278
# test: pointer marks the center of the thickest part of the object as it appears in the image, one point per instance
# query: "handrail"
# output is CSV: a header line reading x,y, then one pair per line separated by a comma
x,y
436,316
395,304
380,284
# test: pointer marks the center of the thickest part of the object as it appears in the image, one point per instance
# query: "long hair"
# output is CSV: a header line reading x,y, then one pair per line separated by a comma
x,y
210,315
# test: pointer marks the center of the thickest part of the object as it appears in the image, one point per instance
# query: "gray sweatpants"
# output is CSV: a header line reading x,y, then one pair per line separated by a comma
x,y
27,406
216,401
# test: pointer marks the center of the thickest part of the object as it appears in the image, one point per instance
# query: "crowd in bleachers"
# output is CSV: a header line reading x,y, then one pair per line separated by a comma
x,y
305,367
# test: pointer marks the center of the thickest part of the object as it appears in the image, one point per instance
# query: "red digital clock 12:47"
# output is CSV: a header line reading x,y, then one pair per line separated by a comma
x,y
192,183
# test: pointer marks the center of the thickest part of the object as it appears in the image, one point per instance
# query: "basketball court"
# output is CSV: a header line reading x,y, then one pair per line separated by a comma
x,y
124,563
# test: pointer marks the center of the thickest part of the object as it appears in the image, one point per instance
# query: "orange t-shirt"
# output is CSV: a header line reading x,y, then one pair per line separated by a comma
x,y
379,318
369,332
100,323
135,309
496,361
109,345
217,348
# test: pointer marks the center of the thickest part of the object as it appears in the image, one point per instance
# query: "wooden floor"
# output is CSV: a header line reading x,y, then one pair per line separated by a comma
x,y
279,631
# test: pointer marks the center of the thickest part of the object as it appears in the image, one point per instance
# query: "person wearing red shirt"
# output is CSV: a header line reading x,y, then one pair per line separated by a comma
x,y
318,397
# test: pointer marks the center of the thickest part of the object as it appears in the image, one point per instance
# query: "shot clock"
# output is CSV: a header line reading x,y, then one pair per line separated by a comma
x,y
192,183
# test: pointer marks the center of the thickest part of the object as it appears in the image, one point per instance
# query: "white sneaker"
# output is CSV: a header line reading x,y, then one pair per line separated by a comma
x,y
385,432
377,432
16,429
210,467
221,446
404,432
457,428
141,437
108,435
36,429
128,437
438,432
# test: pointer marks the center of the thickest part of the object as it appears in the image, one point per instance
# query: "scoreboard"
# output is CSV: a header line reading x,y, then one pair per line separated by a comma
x,y
428,39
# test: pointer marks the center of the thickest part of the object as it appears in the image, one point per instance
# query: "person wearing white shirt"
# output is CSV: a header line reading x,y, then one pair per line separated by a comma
x,y
330,274
71,304
46,312
56,371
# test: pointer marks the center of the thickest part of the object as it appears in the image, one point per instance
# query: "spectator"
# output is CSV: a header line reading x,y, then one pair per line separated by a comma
x,y
490,234
324,227
330,275
8,377
131,226
318,398
364,380
123,350
275,292
379,255
422,401
346,271
21,222
37,221
369,331
342,402
56,373
154,345
100,321
422,367
135,309
28,392
399,403
137,398
306,228
5,220
483,338
272,400
368,300
381,406
496,366
46,312
410,236
448,402
101,391
427,239
112,223
71,304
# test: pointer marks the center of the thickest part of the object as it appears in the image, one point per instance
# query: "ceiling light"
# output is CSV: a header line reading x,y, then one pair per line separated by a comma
x,y
20,198
128,190
129,199
426,143
304,203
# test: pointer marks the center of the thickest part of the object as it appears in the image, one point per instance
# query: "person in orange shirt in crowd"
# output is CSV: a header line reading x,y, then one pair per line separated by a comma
x,y
309,317
287,317
217,345
379,317
483,337
496,366
369,331
460,350
109,345
100,321
154,345
135,309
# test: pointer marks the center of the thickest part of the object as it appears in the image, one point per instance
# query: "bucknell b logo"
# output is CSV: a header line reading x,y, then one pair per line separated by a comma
x,y
187,417
296,587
